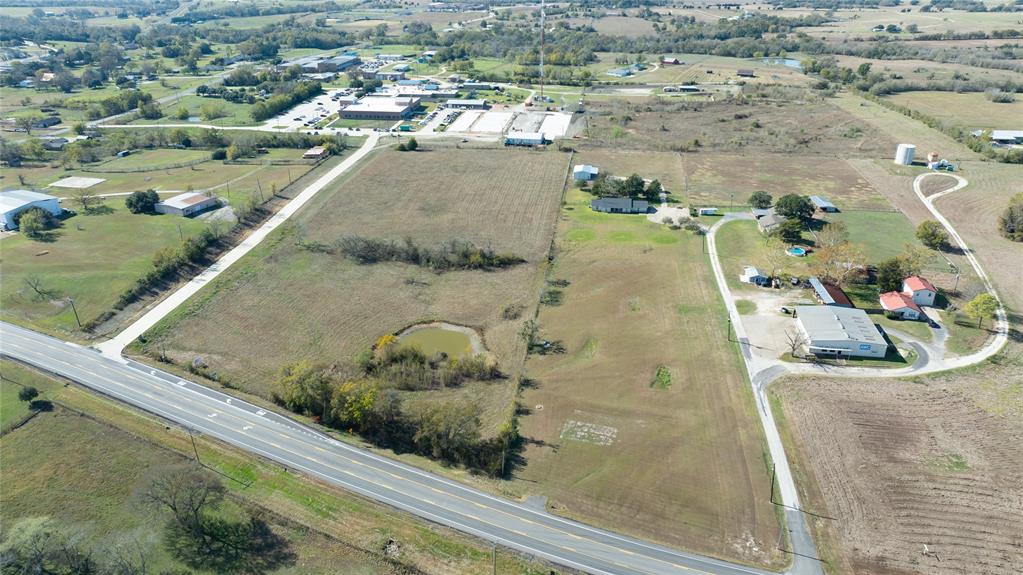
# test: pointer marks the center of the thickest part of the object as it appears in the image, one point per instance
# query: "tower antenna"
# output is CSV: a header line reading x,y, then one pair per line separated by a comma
x,y
543,21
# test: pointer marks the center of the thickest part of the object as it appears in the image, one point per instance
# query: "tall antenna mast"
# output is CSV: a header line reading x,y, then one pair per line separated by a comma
x,y
543,20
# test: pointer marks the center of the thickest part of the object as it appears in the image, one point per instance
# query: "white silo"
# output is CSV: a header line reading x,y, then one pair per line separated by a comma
x,y
904,154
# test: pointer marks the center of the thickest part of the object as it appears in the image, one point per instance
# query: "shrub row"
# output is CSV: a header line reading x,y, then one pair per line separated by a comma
x,y
454,255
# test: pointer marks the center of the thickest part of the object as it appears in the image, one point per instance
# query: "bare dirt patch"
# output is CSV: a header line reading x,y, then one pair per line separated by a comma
x,y
918,478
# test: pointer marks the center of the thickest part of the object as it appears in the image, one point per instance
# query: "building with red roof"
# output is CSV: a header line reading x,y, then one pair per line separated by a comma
x,y
901,305
922,291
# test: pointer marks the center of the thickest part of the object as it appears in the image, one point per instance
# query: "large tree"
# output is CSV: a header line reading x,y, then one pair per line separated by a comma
x,y
890,274
932,234
1010,224
761,200
981,307
794,206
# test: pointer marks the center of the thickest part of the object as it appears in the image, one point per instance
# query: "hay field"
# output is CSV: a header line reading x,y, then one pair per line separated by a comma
x,y
921,477
724,179
679,462
283,303
969,110
629,26
774,120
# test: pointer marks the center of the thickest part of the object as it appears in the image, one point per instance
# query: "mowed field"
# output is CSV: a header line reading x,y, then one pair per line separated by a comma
x,y
969,110
306,304
676,458
774,120
920,479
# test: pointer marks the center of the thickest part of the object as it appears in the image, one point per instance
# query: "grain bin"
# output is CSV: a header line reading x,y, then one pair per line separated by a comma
x,y
904,154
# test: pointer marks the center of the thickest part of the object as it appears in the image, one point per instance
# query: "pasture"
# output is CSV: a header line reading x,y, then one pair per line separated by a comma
x,y
645,422
969,110
233,114
154,169
629,26
335,308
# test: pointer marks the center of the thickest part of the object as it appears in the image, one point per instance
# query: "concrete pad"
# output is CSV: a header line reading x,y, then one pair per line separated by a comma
x,y
555,125
493,122
465,121
77,182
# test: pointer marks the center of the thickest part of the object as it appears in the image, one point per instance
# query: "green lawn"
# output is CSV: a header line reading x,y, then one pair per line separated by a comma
x,y
880,235
234,114
741,244
92,258
13,378
152,160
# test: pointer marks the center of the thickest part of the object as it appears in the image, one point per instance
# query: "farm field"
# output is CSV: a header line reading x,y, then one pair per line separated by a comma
x,y
616,25
860,22
645,422
710,69
920,477
925,70
969,110
779,121
92,258
724,179
491,202
83,463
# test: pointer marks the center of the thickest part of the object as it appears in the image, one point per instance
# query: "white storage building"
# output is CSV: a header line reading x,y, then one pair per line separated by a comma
x,y
186,204
525,139
14,202
840,332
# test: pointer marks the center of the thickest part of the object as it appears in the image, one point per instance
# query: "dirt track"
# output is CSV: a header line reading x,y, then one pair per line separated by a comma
x,y
919,478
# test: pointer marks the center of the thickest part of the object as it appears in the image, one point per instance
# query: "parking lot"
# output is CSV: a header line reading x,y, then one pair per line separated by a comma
x,y
307,114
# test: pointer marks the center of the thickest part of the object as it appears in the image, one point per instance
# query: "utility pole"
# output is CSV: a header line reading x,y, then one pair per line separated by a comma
x,y
79,322
181,235
543,23
494,558
194,448
729,328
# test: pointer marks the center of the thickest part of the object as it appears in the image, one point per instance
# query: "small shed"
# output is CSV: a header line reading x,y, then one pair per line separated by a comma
x,y
822,204
752,275
315,153
707,211
585,172
745,73
187,204
614,205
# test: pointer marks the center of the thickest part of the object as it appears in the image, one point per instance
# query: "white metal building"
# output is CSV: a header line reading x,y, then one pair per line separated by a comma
x,y
186,204
584,172
904,154
14,202
840,332
525,139
380,108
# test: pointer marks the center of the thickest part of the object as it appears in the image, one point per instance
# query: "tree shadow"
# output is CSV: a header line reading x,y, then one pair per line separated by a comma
x,y
222,546
41,405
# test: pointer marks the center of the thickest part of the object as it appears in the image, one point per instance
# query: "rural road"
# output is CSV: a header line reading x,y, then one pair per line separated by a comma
x,y
114,346
277,438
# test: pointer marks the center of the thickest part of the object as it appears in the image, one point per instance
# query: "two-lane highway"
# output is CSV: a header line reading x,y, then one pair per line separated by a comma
x,y
298,447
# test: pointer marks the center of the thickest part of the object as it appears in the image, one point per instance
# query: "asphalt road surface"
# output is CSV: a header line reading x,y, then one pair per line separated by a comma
x,y
303,449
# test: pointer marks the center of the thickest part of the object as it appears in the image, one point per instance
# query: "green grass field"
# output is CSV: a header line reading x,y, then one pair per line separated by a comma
x,y
13,378
234,114
880,235
91,258
682,464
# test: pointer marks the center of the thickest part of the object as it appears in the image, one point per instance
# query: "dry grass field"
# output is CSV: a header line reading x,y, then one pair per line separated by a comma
x,y
616,25
720,179
677,458
663,166
778,122
969,110
306,304
923,479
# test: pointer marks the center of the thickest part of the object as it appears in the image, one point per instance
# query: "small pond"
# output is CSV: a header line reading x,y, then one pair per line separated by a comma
x,y
787,62
453,340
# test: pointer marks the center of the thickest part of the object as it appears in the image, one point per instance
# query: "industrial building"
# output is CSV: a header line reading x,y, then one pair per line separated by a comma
x,y
186,204
381,108
15,202
319,64
386,76
585,172
840,332
525,139
462,104
620,205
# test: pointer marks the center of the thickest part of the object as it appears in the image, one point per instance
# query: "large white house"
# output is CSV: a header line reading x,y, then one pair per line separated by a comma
x,y
840,332
14,202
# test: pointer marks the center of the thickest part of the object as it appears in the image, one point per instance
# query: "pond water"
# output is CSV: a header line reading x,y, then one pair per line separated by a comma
x,y
437,339
787,62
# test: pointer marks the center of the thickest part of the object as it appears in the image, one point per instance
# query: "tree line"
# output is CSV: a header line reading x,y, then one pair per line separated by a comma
x,y
453,255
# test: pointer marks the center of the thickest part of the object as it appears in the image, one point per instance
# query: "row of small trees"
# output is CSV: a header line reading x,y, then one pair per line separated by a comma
x,y
454,255
631,187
